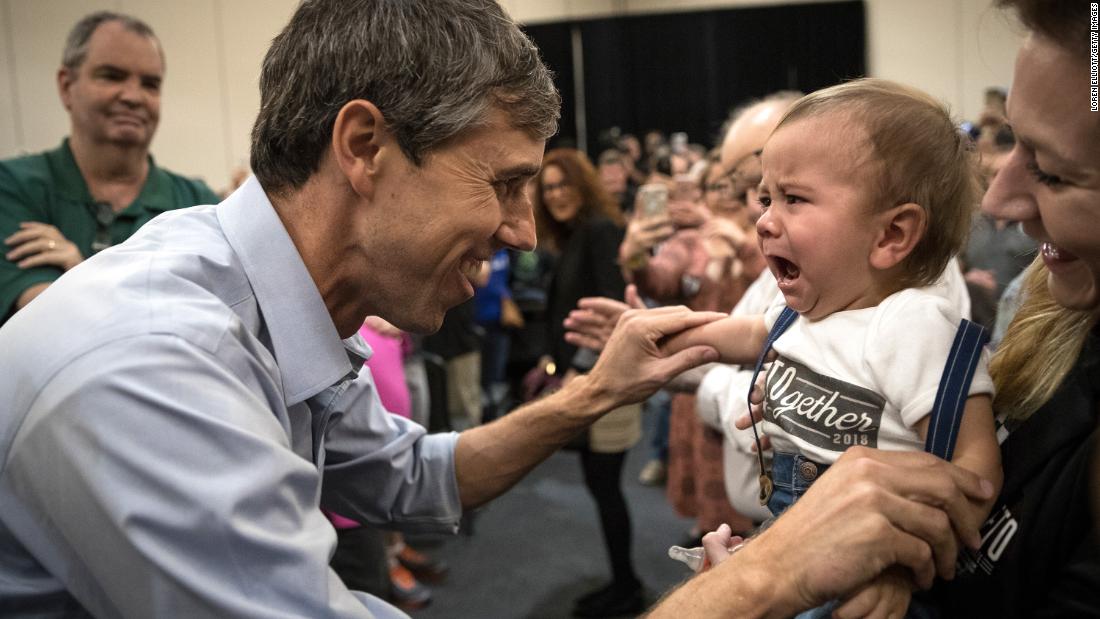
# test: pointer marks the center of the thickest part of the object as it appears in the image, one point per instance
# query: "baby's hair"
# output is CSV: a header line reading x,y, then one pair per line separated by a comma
x,y
919,156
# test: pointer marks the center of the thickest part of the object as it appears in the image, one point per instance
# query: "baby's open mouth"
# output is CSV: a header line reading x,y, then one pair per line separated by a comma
x,y
785,270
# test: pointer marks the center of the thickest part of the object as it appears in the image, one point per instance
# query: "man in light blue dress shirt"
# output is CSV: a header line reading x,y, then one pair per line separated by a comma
x,y
179,408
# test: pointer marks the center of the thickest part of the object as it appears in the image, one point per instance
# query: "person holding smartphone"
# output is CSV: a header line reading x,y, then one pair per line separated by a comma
x,y
704,256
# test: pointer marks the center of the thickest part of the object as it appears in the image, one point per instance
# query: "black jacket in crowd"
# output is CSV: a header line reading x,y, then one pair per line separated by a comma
x,y
1040,555
587,267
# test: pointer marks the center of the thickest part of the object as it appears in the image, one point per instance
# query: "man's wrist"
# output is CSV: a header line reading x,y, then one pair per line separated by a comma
x,y
738,587
755,585
588,395
775,575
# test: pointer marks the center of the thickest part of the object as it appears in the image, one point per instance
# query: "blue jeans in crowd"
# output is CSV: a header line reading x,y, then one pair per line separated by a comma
x,y
658,408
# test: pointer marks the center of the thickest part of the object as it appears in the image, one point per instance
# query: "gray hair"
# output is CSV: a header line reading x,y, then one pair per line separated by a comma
x,y
76,44
434,68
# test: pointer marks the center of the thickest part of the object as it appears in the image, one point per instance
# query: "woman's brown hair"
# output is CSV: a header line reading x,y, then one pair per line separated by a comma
x,y
1065,22
581,175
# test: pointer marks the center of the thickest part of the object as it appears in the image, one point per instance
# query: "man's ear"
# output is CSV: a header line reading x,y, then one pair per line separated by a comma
x,y
357,138
902,227
65,79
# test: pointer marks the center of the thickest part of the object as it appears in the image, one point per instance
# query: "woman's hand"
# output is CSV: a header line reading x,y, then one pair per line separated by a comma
x,y
719,544
756,409
591,324
886,596
688,213
643,234
723,238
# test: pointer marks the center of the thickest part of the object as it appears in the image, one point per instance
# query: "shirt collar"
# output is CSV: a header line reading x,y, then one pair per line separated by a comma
x,y
156,193
307,348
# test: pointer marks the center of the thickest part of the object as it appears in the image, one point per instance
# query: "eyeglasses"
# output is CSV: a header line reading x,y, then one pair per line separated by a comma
x,y
552,187
746,174
723,188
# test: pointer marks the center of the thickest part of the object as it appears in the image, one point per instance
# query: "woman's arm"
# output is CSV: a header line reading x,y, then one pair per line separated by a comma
x,y
642,234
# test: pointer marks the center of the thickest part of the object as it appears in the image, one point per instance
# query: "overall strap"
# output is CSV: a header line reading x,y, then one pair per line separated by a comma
x,y
947,412
786,319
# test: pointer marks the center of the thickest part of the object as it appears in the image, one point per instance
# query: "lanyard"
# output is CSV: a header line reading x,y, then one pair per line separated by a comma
x,y
786,319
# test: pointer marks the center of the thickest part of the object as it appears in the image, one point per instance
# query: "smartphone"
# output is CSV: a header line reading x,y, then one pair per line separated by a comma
x,y
652,199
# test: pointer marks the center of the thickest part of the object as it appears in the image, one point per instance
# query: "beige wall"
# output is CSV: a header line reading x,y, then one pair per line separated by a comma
x,y
951,48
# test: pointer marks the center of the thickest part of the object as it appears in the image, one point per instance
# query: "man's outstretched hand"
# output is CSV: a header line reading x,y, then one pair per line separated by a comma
x,y
633,366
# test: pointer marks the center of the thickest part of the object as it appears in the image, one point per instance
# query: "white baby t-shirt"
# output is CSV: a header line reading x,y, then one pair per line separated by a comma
x,y
861,377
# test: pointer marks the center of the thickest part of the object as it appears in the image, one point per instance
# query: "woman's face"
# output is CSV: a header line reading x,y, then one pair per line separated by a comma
x,y
562,200
1050,181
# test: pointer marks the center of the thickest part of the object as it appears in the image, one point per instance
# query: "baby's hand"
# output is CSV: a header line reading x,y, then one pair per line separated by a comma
x,y
719,544
886,596
756,412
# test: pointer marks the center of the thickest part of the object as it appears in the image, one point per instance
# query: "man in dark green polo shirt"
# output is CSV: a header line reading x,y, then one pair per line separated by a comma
x,y
96,189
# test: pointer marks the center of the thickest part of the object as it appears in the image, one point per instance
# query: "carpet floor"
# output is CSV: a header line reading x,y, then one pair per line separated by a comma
x,y
532,551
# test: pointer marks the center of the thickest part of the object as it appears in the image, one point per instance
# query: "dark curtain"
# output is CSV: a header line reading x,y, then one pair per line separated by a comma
x,y
555,46
685,71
